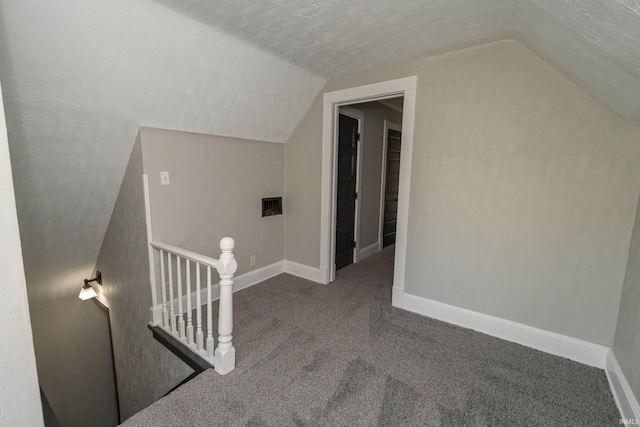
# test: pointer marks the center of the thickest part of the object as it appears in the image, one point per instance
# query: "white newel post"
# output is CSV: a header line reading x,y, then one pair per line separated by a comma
x,y
225,355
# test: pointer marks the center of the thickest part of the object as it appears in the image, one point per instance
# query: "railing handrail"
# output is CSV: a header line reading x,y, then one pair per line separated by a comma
x,y
184,253
223,358
165,316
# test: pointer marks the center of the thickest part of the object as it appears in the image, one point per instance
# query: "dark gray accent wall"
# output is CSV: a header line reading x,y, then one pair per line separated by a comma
x,y
75,368
145,369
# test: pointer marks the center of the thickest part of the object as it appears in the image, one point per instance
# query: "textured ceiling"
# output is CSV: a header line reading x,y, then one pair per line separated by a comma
x,y
595,43
80,77
337,37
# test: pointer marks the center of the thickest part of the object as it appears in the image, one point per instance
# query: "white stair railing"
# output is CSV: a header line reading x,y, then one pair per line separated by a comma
x,y
174,266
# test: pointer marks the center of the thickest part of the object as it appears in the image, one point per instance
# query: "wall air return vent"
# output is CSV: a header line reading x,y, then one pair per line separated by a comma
x,y
272,206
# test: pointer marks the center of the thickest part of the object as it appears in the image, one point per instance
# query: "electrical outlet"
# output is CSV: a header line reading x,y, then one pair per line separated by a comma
x,y
164,178
252,260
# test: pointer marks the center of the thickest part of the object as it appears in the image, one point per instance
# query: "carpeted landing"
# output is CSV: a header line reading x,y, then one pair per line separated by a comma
x,y
340,355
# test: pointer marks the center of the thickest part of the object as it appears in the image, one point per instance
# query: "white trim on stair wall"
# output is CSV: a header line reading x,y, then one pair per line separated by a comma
x,y
549,342
622,393
251,278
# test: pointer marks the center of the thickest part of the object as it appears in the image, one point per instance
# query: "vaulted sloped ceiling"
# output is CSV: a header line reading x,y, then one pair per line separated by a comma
x,y
337,37
79,78
595,43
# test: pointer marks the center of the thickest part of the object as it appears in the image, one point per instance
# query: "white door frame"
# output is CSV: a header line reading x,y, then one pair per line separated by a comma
x,y
331,101
359,116
388,124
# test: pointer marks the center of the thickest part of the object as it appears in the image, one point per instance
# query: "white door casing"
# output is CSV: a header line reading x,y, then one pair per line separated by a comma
x,y
331,101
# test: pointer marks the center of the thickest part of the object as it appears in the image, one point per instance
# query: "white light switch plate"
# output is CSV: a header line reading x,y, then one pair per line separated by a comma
x,y
164,178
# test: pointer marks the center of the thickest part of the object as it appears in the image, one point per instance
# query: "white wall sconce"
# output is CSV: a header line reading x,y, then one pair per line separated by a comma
x,y
87,292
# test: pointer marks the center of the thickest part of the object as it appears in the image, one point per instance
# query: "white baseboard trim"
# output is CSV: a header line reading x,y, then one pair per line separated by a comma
x,y
304,271
258,275
243,281
397,297
622,393
550,342
324,275
366,252
240,282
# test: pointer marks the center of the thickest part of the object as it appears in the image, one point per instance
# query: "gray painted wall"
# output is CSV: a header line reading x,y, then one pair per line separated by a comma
x,y
19,395
523,190
626,346
145,369
75,369
216,190
302,159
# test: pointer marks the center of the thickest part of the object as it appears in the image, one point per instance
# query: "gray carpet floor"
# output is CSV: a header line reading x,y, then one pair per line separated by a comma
x,y
340,355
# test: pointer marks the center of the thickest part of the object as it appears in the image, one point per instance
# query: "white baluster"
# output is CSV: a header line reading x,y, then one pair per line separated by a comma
x,y
180,312
198,310
165,313
209,316
225,355
172,314
189,320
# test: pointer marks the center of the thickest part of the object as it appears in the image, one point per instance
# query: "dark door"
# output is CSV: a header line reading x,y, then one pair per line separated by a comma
x,y
391,188
346,190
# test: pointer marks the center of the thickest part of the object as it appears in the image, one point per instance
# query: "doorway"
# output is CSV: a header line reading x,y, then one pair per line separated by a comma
x,y
332,101
363,178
